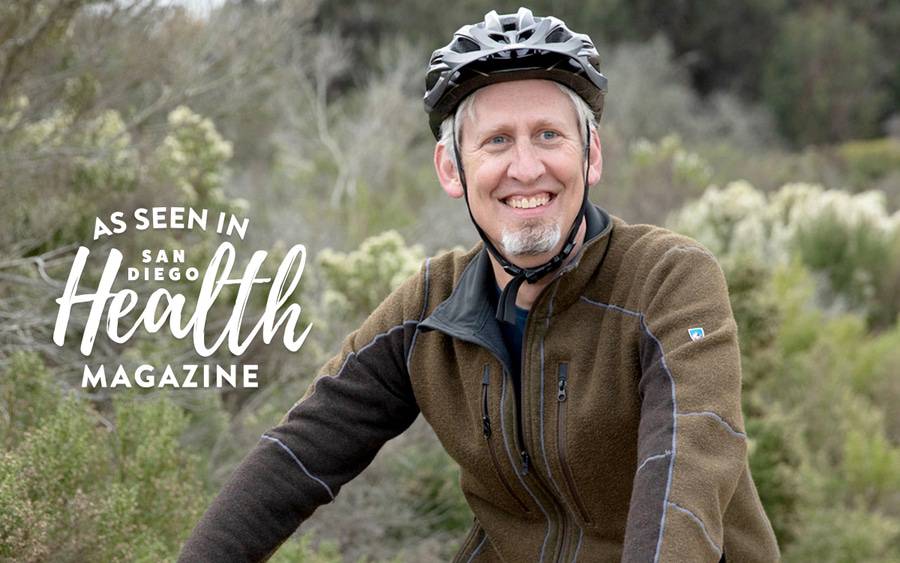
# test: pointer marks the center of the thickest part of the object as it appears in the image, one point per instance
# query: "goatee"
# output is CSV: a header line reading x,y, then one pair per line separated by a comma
x,y
533,238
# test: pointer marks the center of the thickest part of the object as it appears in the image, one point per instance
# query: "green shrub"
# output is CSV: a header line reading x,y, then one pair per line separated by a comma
x,y
733,223
838,535
431,479
78,486
300,551
359,280
870,160
27,395
759,315
193,157
849,240
776,453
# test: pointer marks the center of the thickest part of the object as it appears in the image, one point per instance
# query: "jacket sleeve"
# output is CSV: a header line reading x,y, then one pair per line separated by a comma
x,y
691,443
360,399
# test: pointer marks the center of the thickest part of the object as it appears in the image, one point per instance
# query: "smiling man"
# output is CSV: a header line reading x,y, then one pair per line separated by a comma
x,y
583,372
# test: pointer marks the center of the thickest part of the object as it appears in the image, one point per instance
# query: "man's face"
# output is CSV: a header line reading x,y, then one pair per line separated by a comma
x,y
523,160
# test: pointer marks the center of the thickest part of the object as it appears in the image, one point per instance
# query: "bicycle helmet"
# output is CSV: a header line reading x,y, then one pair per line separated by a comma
x,y
511,47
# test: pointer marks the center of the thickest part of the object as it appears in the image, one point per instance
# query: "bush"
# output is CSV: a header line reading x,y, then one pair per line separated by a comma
x,y
80,487
659,177
869,161
193,158
27,396
821,438
300,551
359,280
430,478
838,535
847,239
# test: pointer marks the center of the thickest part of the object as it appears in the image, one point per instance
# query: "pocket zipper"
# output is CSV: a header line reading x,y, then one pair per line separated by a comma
x,y
561,396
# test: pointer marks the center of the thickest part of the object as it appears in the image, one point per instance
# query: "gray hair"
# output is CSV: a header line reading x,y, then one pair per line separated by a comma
x,y
451,127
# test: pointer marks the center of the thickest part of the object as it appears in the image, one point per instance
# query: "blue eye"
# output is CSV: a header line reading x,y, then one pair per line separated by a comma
x,y
497,139
549,135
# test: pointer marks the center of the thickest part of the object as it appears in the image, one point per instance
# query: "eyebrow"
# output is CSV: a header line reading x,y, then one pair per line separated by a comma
x,y
501,126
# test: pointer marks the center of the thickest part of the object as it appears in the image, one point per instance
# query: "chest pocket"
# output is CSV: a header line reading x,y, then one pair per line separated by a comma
x,y
593,426
562,401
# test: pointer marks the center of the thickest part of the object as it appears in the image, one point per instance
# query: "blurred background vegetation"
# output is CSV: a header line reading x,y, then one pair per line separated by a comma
x,y
767,129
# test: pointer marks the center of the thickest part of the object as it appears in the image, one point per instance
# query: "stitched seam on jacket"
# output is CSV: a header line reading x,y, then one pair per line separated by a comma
x,y
303,467
515,469
717,418
662,360
316,388
477,548
412,344
347,359
578,547
651,458
361,350
699,522
613,307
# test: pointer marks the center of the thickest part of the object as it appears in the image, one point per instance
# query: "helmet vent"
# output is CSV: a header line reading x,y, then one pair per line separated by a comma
x,y
465,45
499,37
558,35
526,34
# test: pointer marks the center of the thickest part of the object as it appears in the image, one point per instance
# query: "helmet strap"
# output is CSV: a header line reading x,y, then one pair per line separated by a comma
x,y
506,307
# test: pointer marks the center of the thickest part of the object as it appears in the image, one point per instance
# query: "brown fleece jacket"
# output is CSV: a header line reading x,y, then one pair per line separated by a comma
x,y
632,444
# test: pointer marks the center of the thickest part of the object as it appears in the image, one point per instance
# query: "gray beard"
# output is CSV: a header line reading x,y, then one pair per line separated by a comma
x,y
532,239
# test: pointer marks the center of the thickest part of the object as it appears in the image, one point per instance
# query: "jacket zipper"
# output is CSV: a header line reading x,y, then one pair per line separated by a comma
x,y
526,459
564,533
561,396
486,431
517,411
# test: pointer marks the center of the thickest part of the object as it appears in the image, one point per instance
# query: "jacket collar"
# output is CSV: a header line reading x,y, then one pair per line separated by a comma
x,y
468,313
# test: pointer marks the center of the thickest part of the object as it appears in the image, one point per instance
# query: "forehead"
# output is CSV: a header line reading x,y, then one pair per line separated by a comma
x,y
520,102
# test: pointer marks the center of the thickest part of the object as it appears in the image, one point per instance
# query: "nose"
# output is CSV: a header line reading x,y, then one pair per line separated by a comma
x,y
526,166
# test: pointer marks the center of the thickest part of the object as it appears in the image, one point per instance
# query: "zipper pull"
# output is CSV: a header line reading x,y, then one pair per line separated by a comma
x,y
563,377
485,418
526,460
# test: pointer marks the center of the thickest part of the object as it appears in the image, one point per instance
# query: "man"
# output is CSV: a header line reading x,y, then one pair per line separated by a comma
x,y
583,372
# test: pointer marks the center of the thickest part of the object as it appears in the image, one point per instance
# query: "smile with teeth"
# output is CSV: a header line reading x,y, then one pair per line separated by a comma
x,y
520,202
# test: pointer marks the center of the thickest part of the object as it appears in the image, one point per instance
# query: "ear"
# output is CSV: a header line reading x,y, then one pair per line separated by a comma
x,y
595,166
446,171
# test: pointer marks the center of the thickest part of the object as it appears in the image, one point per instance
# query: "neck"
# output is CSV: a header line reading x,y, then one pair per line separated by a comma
x,y
528,292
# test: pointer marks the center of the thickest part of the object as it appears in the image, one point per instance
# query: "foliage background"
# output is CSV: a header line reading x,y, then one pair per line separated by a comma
x,y
767,129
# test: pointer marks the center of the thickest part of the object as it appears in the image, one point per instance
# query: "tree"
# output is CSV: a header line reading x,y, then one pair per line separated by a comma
x,y
823,79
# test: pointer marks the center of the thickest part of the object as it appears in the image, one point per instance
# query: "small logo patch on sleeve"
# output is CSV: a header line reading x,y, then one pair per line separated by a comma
x,y
696,333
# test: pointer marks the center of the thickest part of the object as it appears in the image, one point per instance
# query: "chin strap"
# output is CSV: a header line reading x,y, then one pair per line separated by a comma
x,y
506,306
